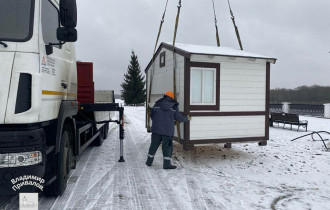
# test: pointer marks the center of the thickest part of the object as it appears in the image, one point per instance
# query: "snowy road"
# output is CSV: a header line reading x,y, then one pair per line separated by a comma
x,y
282,175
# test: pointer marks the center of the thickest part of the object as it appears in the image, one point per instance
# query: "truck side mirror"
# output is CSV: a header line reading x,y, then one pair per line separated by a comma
x,y
68,13
67,34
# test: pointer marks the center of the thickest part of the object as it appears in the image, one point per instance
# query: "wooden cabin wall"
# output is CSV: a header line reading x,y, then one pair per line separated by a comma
x,y
226,127
242,89
163,79
242,83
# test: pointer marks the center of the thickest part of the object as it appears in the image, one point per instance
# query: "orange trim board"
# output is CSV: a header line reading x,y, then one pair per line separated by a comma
x,y
56,93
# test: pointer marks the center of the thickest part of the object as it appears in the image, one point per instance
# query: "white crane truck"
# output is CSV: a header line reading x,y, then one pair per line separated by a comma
x,y
43,127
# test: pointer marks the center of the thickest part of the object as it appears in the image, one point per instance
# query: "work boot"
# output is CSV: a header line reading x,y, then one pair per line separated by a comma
x,y
169,167
149,161
167,164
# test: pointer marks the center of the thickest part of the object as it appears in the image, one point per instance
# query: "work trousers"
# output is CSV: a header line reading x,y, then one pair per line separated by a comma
x,y
167,147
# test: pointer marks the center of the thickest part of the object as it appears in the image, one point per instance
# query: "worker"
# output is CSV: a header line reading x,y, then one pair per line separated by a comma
x,y
163,115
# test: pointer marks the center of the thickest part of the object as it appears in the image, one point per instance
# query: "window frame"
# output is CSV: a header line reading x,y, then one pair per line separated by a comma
x,y
161,57
206,106
59,24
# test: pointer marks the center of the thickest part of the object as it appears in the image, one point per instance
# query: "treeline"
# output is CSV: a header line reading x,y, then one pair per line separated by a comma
x,y
301,95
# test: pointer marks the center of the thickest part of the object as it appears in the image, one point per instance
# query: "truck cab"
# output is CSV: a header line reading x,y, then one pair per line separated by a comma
x,y
33,82
38,94
48,117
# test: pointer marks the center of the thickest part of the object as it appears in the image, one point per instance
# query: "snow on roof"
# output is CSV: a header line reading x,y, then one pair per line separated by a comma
x,y
213,50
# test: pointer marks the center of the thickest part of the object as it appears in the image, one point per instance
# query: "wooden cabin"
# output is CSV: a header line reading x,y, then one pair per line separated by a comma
x,y
225,90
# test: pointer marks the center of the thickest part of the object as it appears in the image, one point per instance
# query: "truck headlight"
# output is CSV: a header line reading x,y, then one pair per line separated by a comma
x,y
20,159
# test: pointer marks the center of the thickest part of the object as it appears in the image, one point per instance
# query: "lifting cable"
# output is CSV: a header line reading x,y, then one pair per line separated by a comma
x,y
153,66
175,63
319,134
160,27
216,25
236,29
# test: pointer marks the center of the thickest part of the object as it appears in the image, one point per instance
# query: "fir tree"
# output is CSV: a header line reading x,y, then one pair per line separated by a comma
x,y
133,86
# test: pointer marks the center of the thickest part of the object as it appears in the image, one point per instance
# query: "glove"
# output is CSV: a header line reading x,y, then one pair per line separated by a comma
x,y
189,117
150,105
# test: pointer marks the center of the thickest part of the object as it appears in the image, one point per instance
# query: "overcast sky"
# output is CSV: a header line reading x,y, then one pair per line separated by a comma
x,y
296,32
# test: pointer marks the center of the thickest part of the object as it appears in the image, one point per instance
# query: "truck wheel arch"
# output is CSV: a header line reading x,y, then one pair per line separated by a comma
x,y
67,110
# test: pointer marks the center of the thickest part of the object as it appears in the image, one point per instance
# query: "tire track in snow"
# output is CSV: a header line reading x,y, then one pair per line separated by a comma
x,y
80,178
78,198
226,185
194,191
122,189
98,191
162,183
159,184
144,189
108,192
210,201
51,203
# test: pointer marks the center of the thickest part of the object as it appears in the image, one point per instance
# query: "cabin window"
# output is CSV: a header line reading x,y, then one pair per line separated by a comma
x,y
50,22
203,85
162,59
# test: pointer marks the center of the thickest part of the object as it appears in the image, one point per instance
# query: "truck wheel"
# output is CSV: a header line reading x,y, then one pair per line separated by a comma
x,y
65,163
99,140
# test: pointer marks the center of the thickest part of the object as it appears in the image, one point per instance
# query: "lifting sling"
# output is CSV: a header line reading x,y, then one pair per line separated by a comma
x,y
236,29
175,64
216,25
153,67
174,55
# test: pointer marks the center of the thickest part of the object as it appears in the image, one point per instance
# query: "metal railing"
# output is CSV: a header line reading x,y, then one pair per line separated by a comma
x,y
275,108
314,110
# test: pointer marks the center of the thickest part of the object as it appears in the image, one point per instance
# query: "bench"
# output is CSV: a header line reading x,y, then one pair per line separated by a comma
x,y
293,119
277,118
290,119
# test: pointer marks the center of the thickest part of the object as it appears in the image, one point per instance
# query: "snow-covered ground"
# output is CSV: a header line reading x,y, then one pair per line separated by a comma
x,y
282,175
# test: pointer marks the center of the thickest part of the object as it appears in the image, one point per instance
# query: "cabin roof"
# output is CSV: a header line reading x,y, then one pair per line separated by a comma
x,y
187,50
213,50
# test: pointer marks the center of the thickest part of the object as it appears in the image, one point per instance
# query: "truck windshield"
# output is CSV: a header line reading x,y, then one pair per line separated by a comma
x,y
16,20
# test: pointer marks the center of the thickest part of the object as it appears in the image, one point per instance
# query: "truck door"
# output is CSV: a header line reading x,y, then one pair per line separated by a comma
x,y
55,67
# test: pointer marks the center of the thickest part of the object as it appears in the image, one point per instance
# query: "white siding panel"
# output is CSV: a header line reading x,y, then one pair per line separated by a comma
x,y
224,120
227,127
247,65
224,127
243,96
248,90
242,102
240,71
244,108
224,134
242,84
242,87
163,79
243,78
159,87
